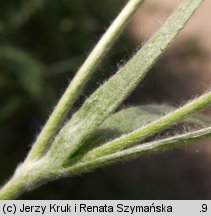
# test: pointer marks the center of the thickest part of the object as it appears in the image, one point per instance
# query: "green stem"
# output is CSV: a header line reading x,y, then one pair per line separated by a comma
x,y
81,78
11,190
98,107
152,128
146,148
109,96
28,176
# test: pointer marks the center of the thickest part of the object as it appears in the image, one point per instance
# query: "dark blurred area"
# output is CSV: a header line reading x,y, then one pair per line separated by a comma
x,y
43,43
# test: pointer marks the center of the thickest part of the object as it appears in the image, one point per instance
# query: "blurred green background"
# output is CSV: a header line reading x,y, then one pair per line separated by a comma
x,y
42,44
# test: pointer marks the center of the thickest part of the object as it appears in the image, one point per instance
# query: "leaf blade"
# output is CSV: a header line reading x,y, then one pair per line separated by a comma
x,y
109,96
133,152
132,118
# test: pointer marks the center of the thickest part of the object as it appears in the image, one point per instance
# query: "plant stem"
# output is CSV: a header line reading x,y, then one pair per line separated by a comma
x,y
109,96
81,78
11,190
14,187
146,148
39,168
28,175
152,128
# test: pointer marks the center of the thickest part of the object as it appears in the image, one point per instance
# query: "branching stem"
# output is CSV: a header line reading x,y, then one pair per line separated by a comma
x,y
111,94
81,78
146,148
152,128
39,168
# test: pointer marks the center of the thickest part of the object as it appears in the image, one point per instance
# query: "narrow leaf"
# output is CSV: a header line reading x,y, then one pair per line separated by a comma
x,y
109,96
152,128
132,118
81,78
134,152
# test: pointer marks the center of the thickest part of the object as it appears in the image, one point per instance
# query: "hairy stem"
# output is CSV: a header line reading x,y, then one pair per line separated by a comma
x,y
28,176
39,168
110,95
81,78
11,190
146,148
152,128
